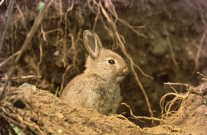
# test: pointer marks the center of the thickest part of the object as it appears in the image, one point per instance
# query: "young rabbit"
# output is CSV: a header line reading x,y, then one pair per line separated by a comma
x,y
98,86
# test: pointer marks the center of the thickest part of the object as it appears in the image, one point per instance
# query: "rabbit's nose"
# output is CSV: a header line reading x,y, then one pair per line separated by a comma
x,y
126,70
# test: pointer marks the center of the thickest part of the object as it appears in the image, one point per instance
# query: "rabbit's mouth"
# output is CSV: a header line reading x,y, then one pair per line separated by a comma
x,y
122,74
119,78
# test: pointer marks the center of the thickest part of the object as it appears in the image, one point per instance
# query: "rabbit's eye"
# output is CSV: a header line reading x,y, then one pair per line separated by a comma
x,y
111,62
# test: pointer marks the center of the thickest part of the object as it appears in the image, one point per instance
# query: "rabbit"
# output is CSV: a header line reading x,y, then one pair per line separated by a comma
x,y
98,86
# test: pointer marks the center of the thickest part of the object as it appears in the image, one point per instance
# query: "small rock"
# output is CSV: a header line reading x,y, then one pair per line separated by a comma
x,y
59,115
57,53
160,48
27,86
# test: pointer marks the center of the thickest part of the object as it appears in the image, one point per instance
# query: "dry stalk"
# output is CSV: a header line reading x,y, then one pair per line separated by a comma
x,y
6,22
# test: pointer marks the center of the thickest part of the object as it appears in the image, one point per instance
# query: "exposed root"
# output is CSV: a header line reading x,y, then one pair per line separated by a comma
x,y
118,116
186,102
44,33
118,38
168,106
41,52
204,77
199,50
132,27
22,17
140,117
178,97
66,27
202,15
170,46
168,83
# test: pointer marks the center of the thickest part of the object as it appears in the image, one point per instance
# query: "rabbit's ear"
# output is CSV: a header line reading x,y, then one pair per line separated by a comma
x,y
92,43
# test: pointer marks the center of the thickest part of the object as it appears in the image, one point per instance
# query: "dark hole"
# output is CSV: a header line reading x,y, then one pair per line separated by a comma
x,y
18,103
164,78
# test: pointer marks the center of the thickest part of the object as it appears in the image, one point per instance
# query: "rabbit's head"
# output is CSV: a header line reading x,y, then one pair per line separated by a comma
x,y
103,62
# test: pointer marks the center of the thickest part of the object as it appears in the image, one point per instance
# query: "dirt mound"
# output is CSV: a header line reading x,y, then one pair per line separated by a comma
x,y
35,110
191,118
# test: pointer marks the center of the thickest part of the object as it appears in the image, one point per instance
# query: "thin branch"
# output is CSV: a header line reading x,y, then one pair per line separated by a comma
x,y
168,83
6,22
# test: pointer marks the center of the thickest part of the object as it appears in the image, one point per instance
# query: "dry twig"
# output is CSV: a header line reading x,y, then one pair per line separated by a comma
x,y
6,22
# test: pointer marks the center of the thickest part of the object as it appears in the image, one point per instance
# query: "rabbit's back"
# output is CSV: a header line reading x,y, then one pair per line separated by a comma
x,y
92,92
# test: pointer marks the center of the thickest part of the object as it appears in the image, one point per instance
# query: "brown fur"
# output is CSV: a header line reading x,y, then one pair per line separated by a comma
x,y
98,86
